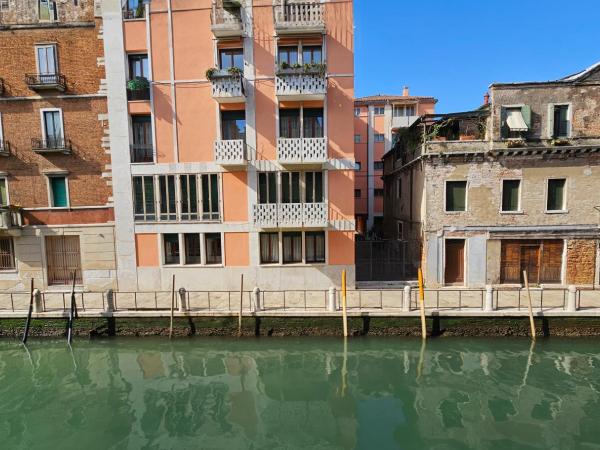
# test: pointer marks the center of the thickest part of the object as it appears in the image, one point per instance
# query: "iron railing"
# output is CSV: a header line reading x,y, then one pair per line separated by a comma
x,y
51,145
138,94
132,14
46,81
4,148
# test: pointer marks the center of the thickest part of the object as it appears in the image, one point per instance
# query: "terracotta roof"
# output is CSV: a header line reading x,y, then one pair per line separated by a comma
x,y
393,98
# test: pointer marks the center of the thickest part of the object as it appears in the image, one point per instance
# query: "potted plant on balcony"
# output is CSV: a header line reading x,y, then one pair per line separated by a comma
x,y
235,71
211,73
557,142
139,11
515,143
138,84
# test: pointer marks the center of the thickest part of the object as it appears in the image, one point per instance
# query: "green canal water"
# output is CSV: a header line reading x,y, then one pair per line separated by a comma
x,y
389,393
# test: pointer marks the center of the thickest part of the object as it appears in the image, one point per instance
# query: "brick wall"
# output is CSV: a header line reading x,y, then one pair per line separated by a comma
x,y
581,261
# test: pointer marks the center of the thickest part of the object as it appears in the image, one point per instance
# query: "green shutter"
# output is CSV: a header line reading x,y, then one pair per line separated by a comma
x,y
526,112
59,192
503,127
3,192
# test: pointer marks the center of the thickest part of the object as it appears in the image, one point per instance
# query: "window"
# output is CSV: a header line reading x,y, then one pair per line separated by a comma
x,y
379,137
63,257
379,110
292,247
269,248
210,196
138,66
399,188
562,124
456,196
47,10
171,248
400,231
45,56
556,200
357,193
404,111
188,189
233,125
378,165
288,55
212,244
313,187
231,57
4,5
510,195
143,198
167,197
289,123
192,248
59,196
7,253
357,165
357,112
515,121
267,187
313,122
52,127
3,192
290,187
357,138
378,192
315,246
142,148
312,54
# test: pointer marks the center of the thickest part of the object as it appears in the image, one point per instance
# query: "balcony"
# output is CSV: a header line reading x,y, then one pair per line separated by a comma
x,y
46,82
299,17
291,215
4,148
303,84
403,121
52,145
2,88
227,87
231,152
133,14
302,150
141,153
11,218
226,19
138,94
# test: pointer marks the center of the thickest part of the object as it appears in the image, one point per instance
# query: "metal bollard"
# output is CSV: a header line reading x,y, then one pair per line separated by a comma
x,y
110,301
182,300
571,299
331,304
489,299
37,301
406,299
256,297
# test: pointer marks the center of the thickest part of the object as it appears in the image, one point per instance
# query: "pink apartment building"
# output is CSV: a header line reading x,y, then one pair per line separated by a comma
x,y
377,120
231,137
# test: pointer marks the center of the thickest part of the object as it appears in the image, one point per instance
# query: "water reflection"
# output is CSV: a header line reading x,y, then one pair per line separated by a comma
x,y
371,393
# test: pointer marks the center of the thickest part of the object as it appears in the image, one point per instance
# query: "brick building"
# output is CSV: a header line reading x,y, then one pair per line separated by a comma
x,y
55,191
513,186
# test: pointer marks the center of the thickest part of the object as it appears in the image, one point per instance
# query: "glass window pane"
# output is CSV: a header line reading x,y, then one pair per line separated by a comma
x,y
214,192
58,186
292,247
313,122
149,196
556,195
510,195
171,248
285,188
295,187
272,187
315,246
309,186
318,187
269,248
289,123
213,248
262,188
192,248
456,195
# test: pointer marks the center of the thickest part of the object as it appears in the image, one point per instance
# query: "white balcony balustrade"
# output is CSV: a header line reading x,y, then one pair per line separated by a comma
x,y
291,215
231,152
302,150
403,121
293,17
297,85
227,87
226,19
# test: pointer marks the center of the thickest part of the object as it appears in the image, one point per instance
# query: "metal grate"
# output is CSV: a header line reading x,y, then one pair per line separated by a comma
x,y
63,257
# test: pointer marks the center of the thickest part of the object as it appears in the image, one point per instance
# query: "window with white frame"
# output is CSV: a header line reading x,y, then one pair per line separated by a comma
x,y
7,253
267,187
4,5
192,249
511,195
313,187
456,196
404,110
58,191
171,252
210,197
52,128
292,247
167,197
290,187
47,10
46,60
144,203
314,243
213,248
556,199
296,247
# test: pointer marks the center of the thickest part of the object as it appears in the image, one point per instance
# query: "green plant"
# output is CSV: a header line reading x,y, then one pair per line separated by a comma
x,y
515,143
284,65
210,73
236,71
560,142
139,11
138,84
296,66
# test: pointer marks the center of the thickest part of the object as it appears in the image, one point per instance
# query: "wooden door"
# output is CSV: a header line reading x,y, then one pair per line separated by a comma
x,y
63,258
454,272
530,262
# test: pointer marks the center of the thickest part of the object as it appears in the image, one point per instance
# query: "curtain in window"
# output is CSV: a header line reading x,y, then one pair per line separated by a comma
x,y
314,187
289,123
315,246
192,248
53,128
213,248
313,123
290,187
233,125
171,248
292,247
269,248
46,59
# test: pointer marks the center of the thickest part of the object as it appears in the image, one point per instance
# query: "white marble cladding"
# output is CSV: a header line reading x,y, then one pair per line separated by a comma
x,y
302,150
11,218
230,152
227,88
301,85
284,215
307,14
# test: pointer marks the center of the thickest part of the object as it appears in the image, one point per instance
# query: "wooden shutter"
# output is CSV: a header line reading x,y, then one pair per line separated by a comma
x,y
510,262
551,264
63,257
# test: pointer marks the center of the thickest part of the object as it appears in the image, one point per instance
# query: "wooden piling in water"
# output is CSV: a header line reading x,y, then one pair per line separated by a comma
x,y
28,321
172,308
422,305
71,311
241,305
531,321
344,312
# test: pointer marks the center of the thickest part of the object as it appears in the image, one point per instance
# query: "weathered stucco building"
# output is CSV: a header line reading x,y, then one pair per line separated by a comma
x,y
484,195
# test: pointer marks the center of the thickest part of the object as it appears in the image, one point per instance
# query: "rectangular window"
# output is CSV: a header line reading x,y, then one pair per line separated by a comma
x,y
59,196
138,66
313,123
313,186
290,187
63,258
379,110
231,57
212,243
379,137
47,10
399,188
171,248
188,190
7,253
142,147
561,121
52,128
378,165
556,200
315,246
143,198
378,192
289,123
3,192
192,248
357,165
357,193
288,55
357,112
292,247
515,121
456,196
312,54
267,187
46,59
233,125
511,190
167,197
357,138
4,5
210,197
269,248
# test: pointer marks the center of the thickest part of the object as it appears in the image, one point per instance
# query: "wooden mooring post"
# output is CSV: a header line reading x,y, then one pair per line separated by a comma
x,y
241,305
344,312
422,305
531,321
28,321
71,311
172,308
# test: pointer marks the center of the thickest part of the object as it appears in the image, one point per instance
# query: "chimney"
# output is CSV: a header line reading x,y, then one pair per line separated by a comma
x,y
486,99
405,92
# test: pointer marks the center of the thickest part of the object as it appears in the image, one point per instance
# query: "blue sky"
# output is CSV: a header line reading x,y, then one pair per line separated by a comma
x,y
454,49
